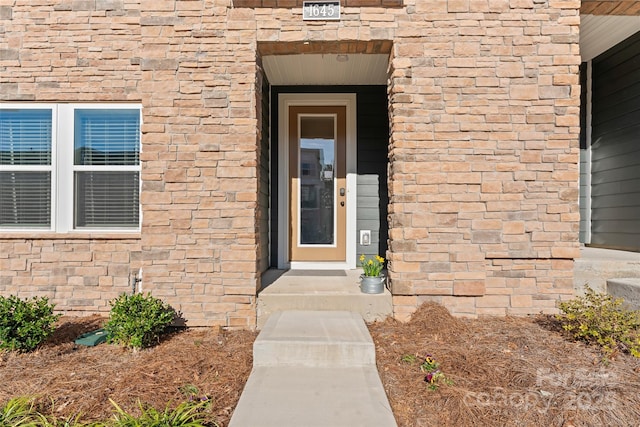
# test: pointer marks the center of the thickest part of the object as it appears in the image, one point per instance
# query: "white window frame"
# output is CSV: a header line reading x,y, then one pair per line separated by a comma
x,y
63,167
37,168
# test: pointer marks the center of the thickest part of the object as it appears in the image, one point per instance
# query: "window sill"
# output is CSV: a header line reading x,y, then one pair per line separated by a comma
x,y
48,235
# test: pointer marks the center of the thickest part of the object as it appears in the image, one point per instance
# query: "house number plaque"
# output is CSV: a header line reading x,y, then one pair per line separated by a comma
x,y
321,10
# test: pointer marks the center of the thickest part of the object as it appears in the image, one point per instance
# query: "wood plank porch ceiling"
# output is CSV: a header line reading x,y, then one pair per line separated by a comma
x,y
610,7
335,47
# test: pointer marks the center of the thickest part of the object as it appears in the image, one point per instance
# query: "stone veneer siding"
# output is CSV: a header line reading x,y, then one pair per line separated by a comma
x,y
483,180
484,110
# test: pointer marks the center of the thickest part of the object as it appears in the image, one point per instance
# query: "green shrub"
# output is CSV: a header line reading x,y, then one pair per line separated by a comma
x,y
430,367
18,412
136,321
22,412
56,421
187,414
25,324
53,419
601,319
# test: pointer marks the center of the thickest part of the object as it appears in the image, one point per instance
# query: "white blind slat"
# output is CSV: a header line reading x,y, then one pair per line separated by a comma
x,y
25,137
107,199
107,137
25,199
25,140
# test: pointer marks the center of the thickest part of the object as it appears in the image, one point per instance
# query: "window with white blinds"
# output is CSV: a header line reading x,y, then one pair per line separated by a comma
x,y
66,167
25,167
106,161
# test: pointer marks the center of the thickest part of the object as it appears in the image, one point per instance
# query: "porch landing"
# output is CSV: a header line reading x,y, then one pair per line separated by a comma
x,y
319,290
596,266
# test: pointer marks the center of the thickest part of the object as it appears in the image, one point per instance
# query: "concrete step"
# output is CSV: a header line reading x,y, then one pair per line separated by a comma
x,y
296,291
313,369
627,288
595,266
296,396
314,339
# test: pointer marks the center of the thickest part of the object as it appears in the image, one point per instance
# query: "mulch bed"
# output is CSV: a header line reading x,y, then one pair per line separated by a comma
x,y
505,371
81,379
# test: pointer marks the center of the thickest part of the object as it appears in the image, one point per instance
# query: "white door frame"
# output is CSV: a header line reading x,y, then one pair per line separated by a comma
x,y
286,100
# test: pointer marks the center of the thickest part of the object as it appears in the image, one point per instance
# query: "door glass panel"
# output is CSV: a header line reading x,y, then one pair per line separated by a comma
x,y
316,171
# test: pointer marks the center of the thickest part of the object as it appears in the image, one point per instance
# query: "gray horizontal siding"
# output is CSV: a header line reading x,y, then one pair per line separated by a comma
x,y
615,161
263,175
368,215
584,196
585,160
373,140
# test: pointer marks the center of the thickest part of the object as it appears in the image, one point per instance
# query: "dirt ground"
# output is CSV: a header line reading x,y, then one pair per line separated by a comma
x,y
505,371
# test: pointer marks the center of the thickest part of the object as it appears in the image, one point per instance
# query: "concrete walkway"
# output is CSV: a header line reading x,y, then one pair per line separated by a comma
x,y
313,368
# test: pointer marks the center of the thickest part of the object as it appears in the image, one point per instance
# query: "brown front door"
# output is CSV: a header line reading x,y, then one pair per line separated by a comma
x,y
317,173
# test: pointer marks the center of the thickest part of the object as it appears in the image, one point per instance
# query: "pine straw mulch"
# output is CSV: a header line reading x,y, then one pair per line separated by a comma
x,y
505,371
80,380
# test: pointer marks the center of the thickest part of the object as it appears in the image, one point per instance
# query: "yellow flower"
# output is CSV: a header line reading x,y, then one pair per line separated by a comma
x,y
372,266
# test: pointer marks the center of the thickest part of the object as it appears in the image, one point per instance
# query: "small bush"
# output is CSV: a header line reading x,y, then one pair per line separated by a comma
x,y
25,324
23,412
137,321
187,414
18,412
430,367
53,419
600,318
